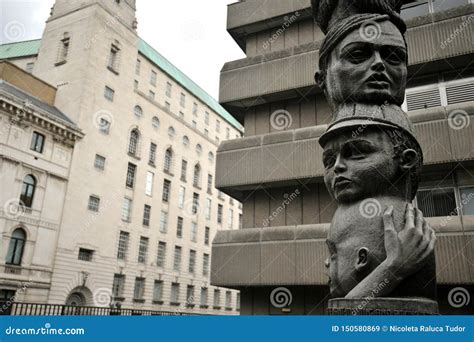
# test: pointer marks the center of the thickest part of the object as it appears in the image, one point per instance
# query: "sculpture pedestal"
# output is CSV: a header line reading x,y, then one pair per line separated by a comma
x,y
382,306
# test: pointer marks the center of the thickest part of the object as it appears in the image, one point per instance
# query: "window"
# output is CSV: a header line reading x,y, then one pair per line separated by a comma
x,y
218,126
109,93
208,208
131,171
149,183
198,149
63,50
227,133
166,191
237,301
16,247
124,238
114,58
210,157
190,295
168,161
197,176
195,109
193,231
153,78
142,250
220,195
228,299
171,132
185,140
194,123
205,265
138,66
94,203
146,215
437,202
206,118
230,218
195,206
179,227
177,258
182,194
28,189
204,296
99,162
127,210
134,142
118,285
217,139
182,100
161,256
184,168
192,261
181,115
135,85
151,95
138,111
29,67
104,126
139,289
206,132
174,293
152,154
207,233
158,291
155,122
467,200
164,222
168,89
167,106
240,221
219,213
37,142
209,183
85,254
217,299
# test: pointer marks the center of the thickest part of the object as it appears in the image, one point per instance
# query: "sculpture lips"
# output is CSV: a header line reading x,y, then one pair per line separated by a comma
x,y
378,81
341,181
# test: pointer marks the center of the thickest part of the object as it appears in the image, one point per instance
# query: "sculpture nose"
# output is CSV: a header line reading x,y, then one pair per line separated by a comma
x,y
378,63
339,165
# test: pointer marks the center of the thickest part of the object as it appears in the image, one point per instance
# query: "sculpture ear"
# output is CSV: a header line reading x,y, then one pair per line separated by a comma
x,y
362,259
409,159
319,79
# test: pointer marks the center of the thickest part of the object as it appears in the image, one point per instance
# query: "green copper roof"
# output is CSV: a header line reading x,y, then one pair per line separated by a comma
x,y
31,47
20,49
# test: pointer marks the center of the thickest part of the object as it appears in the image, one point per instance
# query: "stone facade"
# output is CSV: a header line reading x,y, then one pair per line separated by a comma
x,y
276,169
124,189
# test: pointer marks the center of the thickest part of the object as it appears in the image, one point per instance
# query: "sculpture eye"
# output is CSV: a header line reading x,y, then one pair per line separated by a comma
x,y
357,55
328,161
393,55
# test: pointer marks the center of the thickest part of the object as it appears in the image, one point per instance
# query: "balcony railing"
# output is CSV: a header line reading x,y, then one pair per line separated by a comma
x,y
37,309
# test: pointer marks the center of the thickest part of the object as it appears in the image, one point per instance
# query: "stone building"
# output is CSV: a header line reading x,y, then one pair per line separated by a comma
x,y
276,169
141,209
36,148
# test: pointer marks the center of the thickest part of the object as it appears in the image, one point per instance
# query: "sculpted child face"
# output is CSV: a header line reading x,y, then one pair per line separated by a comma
x,y
359,167
367,69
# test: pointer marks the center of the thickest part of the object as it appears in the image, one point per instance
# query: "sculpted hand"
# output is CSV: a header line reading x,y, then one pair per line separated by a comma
x,y
407,249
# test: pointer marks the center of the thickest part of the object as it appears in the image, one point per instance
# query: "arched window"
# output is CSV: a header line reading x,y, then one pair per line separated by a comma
x,y
210,156
138,111
185,140
133,142
28,191
171,132
16,247
198,149
197,175
168,160
155,122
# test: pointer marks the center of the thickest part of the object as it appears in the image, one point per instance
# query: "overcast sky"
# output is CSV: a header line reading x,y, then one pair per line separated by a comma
x,y
191,34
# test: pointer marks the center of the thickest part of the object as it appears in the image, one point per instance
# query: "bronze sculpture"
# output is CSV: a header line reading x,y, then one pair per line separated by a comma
x,y
380,246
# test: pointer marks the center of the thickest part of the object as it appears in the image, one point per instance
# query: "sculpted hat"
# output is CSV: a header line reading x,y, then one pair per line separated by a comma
x,y
356,115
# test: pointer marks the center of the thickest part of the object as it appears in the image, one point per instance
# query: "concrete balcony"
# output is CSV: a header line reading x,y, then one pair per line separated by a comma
x,y
282,158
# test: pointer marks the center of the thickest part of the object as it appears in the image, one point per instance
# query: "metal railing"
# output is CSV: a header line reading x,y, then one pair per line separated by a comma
x,y
38,309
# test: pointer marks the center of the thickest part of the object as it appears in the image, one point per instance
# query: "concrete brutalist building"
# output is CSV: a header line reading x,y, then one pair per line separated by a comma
x,y
276,169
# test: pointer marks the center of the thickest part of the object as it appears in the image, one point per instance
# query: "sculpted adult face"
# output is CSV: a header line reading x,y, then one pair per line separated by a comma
x,y
368,69
359,167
